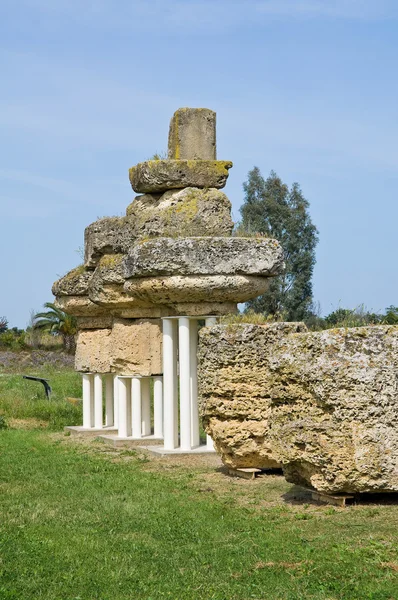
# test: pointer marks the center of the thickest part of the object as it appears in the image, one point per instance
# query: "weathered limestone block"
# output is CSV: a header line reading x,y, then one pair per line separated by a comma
x,y
79,306
192,134
138,311
103,322
93,352
106,285
111,235
328,400
196,288
187,212
136,347
233,390
163,175
335,402
205,256
106,288
196,309
74,283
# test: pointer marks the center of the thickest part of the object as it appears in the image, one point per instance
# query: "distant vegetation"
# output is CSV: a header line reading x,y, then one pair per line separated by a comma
x,y
357,317
52,329
342,317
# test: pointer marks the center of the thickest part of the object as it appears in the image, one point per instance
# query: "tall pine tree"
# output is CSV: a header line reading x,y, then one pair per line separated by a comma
x,y
272,209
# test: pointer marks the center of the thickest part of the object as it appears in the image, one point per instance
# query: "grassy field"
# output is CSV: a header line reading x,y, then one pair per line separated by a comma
x,y
22,400
80,520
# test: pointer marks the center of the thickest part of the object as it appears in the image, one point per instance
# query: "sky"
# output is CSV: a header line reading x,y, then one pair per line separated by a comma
x,y
307,88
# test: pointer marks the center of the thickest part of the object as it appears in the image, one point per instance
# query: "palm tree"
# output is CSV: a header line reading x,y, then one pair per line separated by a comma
x,y
57,322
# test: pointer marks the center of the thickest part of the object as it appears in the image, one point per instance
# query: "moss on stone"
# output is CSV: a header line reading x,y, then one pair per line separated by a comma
x,y
76,272
111,261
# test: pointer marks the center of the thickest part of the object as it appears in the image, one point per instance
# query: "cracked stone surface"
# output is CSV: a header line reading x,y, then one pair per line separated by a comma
x,y
323,404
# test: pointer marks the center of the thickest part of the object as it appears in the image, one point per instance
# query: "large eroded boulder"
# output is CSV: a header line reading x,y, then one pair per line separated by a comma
x,y
187,212
110,235
323,404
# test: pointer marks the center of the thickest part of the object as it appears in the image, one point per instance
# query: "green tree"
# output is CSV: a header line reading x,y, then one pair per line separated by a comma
x,y
272,209
57,322
391,316
3,324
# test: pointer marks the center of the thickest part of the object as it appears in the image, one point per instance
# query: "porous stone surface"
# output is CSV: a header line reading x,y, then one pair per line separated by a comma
x,y
136,346
104,322
163,175
205,256
79,306
196,288
195,309
74,283
187,212
106,287
192,134
137,310
93,351
233,395
327,402
111,235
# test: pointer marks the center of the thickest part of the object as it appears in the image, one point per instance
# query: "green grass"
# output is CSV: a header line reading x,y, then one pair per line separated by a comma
x,y
21,399
79,520
82,521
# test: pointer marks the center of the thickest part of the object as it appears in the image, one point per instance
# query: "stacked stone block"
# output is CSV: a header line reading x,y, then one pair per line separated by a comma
x,y
172,255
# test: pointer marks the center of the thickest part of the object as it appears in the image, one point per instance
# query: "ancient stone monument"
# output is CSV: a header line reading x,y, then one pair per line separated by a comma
x,y
324,405
149,277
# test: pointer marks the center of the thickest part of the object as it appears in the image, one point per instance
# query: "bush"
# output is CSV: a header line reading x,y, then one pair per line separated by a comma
x,y
248,316
13,339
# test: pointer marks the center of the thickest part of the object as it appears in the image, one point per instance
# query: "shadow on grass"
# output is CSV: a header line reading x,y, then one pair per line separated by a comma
x,y
298,495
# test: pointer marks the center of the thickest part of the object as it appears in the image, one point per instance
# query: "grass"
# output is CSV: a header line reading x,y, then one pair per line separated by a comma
x,y
80,520
24,400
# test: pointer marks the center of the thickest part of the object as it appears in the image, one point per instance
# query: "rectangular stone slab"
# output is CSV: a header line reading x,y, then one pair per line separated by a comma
x,y
163,175
205,256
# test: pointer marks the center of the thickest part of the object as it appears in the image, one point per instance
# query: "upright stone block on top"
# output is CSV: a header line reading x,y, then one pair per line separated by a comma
x,y
192,134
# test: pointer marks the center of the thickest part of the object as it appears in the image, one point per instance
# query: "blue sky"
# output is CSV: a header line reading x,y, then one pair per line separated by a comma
x,y
307,88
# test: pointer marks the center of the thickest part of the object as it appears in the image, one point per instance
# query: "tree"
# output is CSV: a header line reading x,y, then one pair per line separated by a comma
x,y
3,324
57,322
391,317
271,209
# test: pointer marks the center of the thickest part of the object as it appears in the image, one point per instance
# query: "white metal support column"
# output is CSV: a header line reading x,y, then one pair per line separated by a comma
x,y
193,349
109,419
98,418
185,382
146,406
88,400
136,418
170,383
124,394
158,406
115,401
